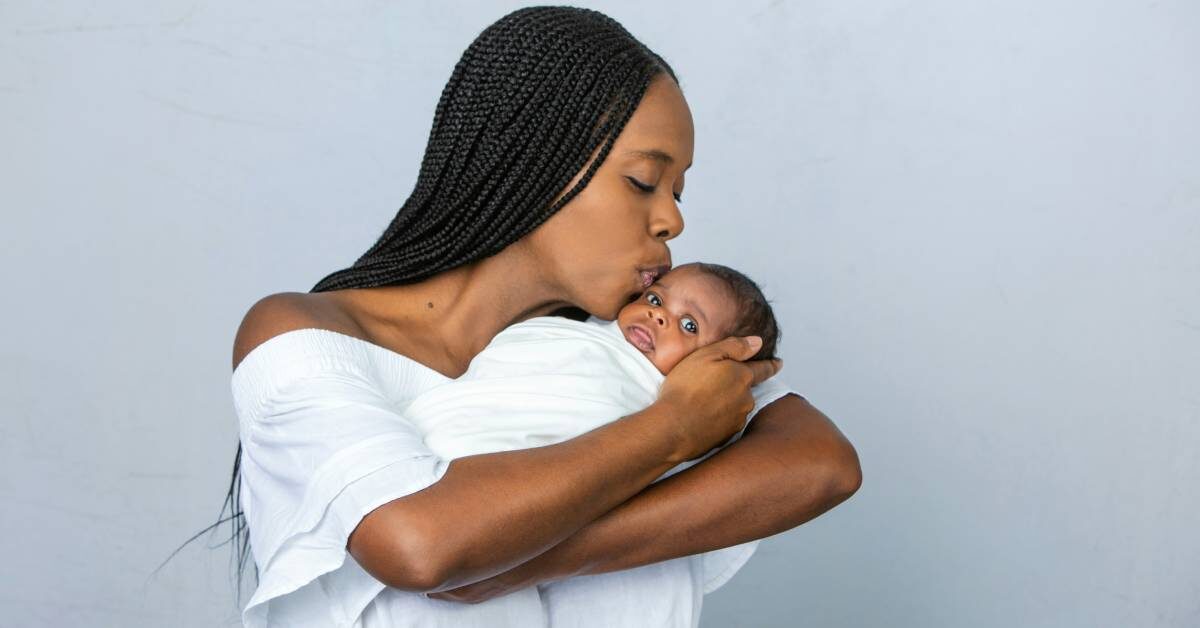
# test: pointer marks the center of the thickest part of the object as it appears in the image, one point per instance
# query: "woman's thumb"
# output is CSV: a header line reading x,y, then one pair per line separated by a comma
x,y
740,348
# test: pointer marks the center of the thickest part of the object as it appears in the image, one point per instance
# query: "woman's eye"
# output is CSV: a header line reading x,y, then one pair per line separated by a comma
x,y
649,189
689,325
653,298
641,186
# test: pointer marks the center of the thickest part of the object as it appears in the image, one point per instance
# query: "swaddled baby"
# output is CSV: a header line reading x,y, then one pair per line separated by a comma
x,y
548,379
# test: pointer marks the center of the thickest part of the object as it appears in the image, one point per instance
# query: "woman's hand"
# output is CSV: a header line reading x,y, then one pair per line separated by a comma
x,y
708,392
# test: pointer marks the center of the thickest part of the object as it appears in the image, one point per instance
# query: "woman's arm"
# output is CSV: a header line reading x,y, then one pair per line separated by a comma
x,y
491,512
790,465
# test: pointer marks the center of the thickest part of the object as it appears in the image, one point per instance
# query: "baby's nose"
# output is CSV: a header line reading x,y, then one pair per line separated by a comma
x,y
657,316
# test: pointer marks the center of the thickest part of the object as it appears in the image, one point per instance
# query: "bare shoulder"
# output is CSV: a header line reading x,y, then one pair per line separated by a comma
x,y
283,312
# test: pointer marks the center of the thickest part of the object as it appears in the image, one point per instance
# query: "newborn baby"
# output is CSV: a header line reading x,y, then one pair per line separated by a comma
x,y
695,305
549,378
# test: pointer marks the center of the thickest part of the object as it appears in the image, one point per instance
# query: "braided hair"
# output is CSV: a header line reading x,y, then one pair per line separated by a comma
x,y
531,100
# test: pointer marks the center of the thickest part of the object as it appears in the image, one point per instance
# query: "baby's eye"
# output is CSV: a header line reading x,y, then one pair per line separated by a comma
x,y
689,325
653,298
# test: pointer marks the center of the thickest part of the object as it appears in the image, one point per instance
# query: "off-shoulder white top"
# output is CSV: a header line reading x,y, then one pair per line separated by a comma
x,y
324,443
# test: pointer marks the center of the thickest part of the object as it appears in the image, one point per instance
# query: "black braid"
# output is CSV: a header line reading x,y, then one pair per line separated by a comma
x,y
531,100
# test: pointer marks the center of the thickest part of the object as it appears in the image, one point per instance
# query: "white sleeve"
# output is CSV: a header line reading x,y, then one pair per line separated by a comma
x,y
716,567
322,446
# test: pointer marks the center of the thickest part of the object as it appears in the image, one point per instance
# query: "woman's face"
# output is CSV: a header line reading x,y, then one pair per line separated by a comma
x,y
600,247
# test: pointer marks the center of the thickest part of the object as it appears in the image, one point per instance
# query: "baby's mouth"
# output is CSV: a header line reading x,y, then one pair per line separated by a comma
x,y
641,338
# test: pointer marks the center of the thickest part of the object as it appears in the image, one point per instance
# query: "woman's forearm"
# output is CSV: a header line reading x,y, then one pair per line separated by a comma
x,y
791,465
491,512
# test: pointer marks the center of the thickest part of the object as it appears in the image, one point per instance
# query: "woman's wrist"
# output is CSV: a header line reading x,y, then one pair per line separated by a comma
x,y
556,563
661,416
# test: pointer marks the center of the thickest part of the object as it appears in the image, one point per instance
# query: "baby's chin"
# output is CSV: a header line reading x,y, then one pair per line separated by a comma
x,y
652,355
663,366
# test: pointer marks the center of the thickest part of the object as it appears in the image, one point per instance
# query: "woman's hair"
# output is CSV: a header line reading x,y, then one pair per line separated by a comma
x,y
755,317
531,100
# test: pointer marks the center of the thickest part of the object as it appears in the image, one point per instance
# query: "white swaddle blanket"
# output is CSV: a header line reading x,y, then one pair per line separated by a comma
x,y
541,381
549,379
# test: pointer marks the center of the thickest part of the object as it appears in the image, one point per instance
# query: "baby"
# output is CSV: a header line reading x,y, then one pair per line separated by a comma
x,y
549,378
695,305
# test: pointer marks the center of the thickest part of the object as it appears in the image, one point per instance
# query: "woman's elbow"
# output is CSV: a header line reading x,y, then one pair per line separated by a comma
x,y
845,476
403,560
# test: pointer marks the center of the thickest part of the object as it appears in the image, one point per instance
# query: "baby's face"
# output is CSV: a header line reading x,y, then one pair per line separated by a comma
x,y
681,312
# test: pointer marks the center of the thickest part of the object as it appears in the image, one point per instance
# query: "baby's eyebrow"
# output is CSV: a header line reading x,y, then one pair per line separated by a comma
x,y
689,303
696,308
700,312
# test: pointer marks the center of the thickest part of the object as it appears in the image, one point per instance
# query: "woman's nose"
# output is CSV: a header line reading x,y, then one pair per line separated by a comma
x,y
667,222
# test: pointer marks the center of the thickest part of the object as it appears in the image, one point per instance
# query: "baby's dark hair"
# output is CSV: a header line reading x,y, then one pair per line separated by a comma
x,y
754,316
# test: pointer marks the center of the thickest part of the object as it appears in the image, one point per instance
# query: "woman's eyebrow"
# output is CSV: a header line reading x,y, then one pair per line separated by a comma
x,y
654,154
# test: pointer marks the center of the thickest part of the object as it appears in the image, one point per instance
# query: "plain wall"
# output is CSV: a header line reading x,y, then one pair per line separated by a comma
x,y
979,223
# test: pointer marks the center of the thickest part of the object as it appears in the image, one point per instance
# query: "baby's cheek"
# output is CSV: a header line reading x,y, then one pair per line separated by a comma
x,y
664,366
665,358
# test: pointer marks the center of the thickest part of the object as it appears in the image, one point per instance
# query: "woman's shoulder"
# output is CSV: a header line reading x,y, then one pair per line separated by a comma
x,y
292,344
285,312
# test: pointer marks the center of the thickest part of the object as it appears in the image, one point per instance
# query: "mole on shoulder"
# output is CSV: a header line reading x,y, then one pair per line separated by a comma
x,y
429,304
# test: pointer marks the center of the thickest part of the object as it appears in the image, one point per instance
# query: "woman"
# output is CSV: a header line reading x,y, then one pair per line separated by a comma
x,y
549,184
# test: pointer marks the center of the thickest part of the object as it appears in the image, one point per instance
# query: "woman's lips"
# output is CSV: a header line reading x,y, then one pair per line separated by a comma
x,y
647,279
641,338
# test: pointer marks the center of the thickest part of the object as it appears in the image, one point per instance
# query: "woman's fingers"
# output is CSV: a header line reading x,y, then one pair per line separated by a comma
x,y
763,369
739,348
742,348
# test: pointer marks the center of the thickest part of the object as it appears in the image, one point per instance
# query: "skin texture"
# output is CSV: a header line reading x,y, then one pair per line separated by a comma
x,y
491,513
684,310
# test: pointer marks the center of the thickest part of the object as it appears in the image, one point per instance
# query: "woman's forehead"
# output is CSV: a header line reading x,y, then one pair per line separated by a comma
x,y
660,129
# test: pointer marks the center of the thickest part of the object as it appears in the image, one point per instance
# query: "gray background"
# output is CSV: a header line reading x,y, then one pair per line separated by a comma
x,y
980,224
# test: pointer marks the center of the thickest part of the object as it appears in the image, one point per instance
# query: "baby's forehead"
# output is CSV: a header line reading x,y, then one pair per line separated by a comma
x,y
709,292
698,283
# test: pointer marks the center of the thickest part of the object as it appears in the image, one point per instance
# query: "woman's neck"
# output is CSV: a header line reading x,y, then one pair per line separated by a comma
x,y
446,319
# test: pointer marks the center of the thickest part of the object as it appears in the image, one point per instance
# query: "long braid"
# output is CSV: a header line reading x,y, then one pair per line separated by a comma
x,y
529,103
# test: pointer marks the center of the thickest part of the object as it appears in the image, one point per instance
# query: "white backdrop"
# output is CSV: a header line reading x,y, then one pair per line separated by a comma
x,y
980,224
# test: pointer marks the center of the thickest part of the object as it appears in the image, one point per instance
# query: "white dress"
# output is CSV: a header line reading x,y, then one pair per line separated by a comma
x,y
324,442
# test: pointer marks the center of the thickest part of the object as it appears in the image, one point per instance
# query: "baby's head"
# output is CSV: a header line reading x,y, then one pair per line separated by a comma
x,y
695,305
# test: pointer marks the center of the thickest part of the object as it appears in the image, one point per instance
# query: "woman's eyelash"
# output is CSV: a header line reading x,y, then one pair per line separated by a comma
x,y
639,185
649,189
